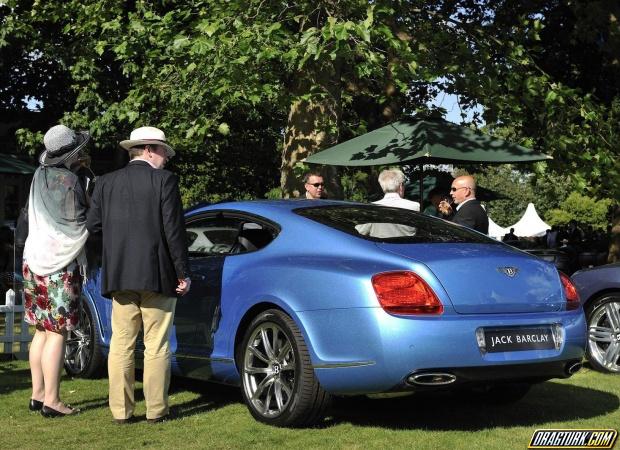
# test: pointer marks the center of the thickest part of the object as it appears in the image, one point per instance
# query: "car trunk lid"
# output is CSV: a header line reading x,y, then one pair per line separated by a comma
x,y
488,278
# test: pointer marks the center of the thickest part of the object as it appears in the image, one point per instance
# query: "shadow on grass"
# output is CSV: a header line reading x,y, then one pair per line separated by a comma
x,y
13,379
547,402
212,396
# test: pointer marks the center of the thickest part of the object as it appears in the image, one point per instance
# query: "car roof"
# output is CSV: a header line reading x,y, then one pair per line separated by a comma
x,y
292,226
265,207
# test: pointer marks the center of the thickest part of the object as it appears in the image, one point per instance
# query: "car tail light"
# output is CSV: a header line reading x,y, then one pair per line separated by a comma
x,y
405,293
572,297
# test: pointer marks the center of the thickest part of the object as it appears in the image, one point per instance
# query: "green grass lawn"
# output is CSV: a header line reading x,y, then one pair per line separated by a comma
x,y
213,416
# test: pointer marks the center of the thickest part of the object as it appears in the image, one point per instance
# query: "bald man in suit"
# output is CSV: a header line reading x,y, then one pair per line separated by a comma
x,y
469,212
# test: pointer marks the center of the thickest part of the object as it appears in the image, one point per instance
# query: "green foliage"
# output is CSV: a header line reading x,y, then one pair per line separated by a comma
x,y
274,194
536,71
585,210
548,191
207,71
514,189
355,185
550,188
220,78
30,140
558,217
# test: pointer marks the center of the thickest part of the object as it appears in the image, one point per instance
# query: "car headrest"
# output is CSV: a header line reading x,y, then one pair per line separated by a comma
x,y
259,237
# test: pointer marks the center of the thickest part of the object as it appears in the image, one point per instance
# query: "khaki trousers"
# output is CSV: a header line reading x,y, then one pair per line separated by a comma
x,y
131,311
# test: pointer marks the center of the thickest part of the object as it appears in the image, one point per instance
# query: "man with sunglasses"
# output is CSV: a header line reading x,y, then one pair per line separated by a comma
x,y
469,211
315,186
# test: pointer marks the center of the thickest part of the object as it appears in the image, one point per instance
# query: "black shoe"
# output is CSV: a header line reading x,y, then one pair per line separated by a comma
x,y
35,405
48,412
124,421
159,419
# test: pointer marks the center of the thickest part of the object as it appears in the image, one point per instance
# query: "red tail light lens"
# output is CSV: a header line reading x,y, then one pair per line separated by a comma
x,y
572,296
405,293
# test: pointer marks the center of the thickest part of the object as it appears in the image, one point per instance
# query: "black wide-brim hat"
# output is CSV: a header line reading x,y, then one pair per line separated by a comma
x,y
61,143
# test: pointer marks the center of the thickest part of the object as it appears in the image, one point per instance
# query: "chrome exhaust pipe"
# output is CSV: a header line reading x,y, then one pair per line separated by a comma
x,y
431,379
574,368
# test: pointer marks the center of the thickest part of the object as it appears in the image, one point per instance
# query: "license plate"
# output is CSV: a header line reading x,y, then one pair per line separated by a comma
x,y
518,339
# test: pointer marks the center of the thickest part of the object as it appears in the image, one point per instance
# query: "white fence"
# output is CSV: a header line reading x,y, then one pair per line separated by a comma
x,y
8,340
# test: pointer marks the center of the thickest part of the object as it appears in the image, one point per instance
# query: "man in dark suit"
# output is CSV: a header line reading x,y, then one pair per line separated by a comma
x,y
145,266
469,212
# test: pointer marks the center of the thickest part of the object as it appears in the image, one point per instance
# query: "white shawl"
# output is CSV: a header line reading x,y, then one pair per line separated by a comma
x,y
56,221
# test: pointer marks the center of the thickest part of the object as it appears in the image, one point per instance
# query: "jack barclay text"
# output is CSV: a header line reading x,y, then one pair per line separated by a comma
x,y
518,339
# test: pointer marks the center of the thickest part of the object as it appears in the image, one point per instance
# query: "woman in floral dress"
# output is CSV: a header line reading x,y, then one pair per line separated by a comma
x,y
53,257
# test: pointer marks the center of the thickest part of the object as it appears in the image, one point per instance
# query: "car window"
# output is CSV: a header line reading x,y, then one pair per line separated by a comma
x,y
211,237
252,237
393,225
217,235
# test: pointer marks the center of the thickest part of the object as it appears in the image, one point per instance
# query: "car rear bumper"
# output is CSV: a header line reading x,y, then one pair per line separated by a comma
x,y
365,350
455,377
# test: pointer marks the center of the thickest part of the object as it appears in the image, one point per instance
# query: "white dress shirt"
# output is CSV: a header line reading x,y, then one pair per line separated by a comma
x,y
395,200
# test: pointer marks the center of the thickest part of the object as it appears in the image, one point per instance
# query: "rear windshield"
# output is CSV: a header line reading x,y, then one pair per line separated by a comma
x,y
392,225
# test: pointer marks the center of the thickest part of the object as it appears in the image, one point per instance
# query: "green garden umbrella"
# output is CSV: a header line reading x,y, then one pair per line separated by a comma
x,y
13,165
424,141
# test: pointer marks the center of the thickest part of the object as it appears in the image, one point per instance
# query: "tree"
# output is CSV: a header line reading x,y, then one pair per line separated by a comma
x,y
515,189
565,101
287,79
583,209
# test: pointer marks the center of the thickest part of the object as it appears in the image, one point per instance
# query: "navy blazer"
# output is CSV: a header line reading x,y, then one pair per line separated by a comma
x,y
138,210
472,215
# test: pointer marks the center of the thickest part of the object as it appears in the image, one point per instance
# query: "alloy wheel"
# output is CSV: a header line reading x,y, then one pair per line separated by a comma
x,y
269,370
78,350
604,335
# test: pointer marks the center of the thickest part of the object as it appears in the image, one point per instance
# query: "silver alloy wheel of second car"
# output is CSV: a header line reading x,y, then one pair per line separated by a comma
x,y
604,335
269,370
78,350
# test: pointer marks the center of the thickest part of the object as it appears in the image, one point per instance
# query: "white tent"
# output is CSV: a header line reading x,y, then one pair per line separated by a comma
x,y
495,231
530,225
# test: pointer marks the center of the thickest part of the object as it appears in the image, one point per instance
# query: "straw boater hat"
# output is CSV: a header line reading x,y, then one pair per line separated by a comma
x,y
147,135
61,143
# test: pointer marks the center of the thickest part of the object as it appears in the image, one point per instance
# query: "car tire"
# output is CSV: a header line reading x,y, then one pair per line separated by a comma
x,y
603,349
279,386
83,353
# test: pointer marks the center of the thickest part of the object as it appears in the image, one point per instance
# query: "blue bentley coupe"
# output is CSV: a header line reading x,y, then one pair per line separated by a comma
x,y
297,301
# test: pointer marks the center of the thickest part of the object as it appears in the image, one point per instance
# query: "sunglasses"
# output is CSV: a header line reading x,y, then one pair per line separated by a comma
x,y
317,185
453,189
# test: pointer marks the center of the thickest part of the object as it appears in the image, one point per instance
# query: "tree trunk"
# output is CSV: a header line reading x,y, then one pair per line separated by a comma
x,y
312,125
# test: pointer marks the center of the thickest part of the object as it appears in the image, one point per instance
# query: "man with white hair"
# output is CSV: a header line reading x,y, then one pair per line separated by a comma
x,y
392,182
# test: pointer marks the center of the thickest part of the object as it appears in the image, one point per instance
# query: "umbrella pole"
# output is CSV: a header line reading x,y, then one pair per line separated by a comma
x,y
421,175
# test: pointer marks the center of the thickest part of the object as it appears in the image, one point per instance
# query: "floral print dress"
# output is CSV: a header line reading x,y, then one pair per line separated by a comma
x,y
51,301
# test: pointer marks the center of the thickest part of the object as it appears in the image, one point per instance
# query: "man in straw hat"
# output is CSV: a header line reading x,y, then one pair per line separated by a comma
x,y
145,267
